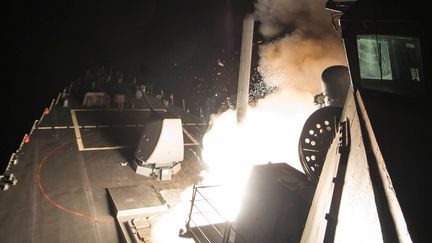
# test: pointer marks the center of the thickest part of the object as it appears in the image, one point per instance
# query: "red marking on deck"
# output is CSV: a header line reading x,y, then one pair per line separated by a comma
x,y
54,203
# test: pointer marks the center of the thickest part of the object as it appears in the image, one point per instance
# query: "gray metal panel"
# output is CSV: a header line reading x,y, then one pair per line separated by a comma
x,y
149,139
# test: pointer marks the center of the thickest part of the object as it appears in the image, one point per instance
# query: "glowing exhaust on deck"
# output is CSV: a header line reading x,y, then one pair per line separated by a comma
x,y
269,131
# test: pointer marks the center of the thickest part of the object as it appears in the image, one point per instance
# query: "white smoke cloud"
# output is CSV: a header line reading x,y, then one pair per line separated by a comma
x,y
296,62
286,16
304,43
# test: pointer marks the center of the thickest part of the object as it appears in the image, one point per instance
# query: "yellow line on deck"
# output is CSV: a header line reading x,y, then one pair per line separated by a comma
x,y
106,148
77,131
190,144
116,109
195,142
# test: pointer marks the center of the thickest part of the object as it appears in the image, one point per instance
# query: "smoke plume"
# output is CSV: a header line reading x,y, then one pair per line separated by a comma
x,y
303,43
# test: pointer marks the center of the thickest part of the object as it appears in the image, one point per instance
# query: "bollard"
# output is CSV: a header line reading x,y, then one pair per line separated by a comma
x,y
66,103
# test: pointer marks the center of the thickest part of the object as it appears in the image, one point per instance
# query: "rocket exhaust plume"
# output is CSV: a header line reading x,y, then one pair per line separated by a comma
x,y
245,66
304,44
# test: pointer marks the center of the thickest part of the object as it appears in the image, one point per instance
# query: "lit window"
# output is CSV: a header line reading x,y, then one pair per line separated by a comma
x,y
390,63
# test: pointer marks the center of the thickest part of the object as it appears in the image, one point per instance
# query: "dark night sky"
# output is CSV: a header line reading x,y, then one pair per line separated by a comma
x,y
171,44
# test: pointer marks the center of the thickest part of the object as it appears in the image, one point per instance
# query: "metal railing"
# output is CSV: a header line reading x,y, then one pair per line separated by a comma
x,y
6,177
206,223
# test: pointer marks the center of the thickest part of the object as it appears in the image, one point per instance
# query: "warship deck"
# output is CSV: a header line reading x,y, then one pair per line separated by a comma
x,y
71,161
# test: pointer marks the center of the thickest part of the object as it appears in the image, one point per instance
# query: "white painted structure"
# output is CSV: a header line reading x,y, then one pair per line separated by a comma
x,y
358,217
161,149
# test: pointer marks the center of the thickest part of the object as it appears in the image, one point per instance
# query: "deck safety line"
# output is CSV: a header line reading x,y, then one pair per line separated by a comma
x,y
195,142
77,131
107,148
109,126
114,109
80,144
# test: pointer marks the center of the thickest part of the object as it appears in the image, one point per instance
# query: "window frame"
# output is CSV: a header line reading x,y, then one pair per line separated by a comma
x,y
396,84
